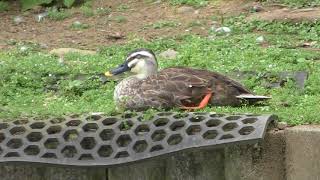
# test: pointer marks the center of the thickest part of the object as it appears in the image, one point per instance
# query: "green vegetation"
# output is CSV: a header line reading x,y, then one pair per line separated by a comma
x,y
86,9
3,6
56,15
195,3
34,83
78,25
296,3
123,8
164,24
119,19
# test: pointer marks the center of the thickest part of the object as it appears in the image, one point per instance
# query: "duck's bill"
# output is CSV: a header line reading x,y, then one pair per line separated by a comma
x,y
121,69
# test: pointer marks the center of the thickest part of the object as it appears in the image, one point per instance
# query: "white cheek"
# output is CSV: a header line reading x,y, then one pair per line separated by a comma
x,y
139,67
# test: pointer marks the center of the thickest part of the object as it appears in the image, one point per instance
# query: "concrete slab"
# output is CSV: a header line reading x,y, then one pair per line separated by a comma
x,y
263,161
303,153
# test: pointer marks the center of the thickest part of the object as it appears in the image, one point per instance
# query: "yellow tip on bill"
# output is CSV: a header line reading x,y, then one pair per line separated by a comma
x,y
108,74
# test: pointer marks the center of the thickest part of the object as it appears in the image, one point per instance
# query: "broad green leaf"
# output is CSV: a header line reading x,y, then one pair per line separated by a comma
x,y
68,3
28,4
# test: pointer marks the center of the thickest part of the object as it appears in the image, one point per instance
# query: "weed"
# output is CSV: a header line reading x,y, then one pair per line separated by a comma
x,y
119,19
195,3
103,11
56,15
87,11
123,8
296,3
78,25
164,24
4,6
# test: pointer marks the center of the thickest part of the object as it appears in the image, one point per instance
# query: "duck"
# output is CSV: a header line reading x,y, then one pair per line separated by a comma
x,y
174,87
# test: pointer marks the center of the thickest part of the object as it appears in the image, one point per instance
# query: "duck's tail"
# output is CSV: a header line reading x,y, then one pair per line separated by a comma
x,y
253,98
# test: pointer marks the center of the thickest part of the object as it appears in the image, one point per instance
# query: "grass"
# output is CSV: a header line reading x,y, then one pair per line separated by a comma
x,y
78,26
296,3
119,19
37,84
56,15
164,24
194,3
123,8
4,6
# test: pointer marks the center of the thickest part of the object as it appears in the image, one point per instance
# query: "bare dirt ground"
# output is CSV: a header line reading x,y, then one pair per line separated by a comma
x,y
140,16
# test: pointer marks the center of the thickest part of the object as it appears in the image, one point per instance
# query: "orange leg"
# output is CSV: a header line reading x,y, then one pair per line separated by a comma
x,y
202,104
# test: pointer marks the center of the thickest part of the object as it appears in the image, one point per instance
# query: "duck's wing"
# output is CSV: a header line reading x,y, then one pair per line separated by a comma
x,y
170,88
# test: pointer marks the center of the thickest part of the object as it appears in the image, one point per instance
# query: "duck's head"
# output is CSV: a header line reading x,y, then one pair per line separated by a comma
x,y
141,62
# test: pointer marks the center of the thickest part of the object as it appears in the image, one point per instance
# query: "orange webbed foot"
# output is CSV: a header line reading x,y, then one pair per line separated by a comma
x,y
202,104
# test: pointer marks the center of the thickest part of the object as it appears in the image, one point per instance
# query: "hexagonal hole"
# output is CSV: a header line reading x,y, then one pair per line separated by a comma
x,y
197,118
124,140
122,154
1,151
174,139
233,118
51,143
107,134
177,125
156,148
246,130
213,122
142,129
32,150
88,143
57,120
229,127
71,135
211,134
158,135
193,130
140,146
109,121
73,123
34,136
38,125
93,117
54,129
105,151
216,115
20,121
12,154
17,130
4,126
2,137
161,122
128,115
14,143
69,151
125,125
85,157
226,136
249,120
49,156
90,127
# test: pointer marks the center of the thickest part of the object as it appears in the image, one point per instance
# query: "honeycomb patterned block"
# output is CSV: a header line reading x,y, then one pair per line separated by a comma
x,y
110,140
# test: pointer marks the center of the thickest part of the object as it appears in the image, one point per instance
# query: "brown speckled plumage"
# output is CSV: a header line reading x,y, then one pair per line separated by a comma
x,y
176,87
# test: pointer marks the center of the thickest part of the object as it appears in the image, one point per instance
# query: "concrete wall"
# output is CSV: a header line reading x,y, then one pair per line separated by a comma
x,y
292,154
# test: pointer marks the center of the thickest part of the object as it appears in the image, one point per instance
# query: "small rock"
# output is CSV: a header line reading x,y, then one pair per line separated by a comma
x,y
23,48
185,10
77,23
115,36
282,125
62,51
260,39
169,54
223,30
40,16
309,44
18,19
257,8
